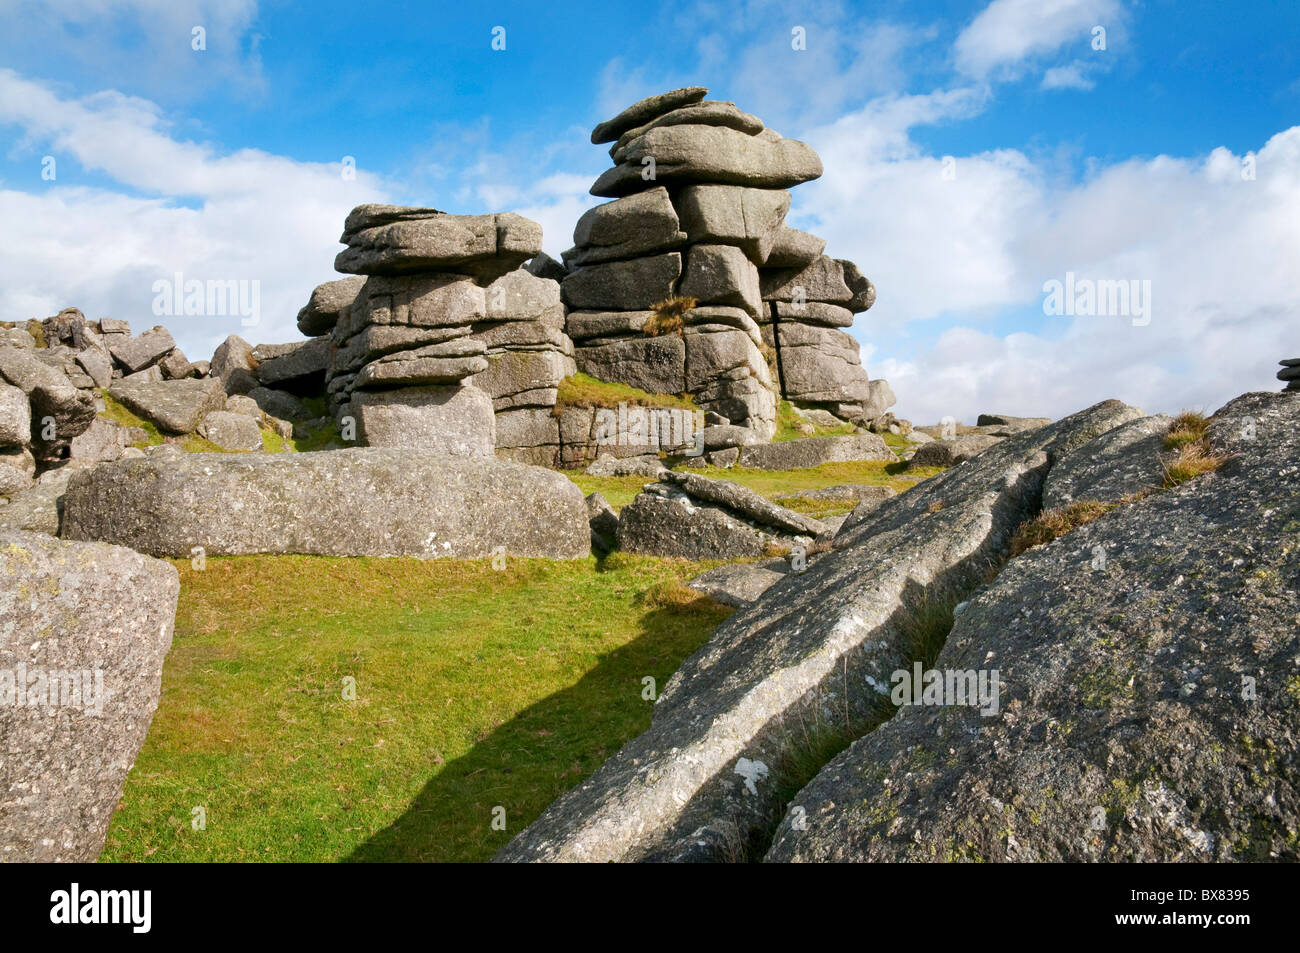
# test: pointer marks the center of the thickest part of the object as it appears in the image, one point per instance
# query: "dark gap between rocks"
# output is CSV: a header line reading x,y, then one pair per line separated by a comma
x,y
776,346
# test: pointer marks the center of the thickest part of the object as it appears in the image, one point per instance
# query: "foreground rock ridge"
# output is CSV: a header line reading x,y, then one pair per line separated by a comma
x,y
1122,685
1149,698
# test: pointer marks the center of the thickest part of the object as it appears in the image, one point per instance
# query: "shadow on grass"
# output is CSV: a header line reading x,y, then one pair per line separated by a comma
x,y
513,773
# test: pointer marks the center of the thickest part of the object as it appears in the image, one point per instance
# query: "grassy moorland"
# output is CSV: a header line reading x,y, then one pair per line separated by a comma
x,y
475,689
480,694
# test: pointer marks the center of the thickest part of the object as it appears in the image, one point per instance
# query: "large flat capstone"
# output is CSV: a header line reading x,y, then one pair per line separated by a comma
x,y
374,501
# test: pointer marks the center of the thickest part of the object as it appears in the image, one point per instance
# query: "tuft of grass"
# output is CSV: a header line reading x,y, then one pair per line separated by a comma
x,y
668,316
673,595
475,688
1055,523
583,390
1189,427
1191,461
1189,438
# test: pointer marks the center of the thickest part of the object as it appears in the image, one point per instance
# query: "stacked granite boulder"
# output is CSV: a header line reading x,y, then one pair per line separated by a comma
x,y
441,332
699,210
1290,373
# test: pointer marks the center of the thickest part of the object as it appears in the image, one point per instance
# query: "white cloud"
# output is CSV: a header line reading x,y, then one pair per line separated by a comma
x,y
147,44
247,215
1006,33
1216,248
1073,76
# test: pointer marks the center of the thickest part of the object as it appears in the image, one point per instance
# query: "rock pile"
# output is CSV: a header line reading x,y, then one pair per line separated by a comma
x,y
442,331
51,373
699,210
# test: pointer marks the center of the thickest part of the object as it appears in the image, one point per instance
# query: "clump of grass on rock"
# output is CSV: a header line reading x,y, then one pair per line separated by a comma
x,y
668,316
1055,523
1189,438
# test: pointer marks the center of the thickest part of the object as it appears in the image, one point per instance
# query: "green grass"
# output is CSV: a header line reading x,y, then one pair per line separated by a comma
x,y
788,424
620,491
773,483
119,415
896,442
474,689
583,390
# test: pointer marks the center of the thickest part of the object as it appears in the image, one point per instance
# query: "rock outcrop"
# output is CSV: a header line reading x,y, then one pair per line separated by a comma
x,y
356,502
445,343
699,213
693,517
85,630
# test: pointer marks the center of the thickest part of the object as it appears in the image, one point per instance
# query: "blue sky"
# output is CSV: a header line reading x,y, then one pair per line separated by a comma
x,y
1122,163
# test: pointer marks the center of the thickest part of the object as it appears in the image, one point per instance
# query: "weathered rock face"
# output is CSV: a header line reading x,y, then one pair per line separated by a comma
x,y
1147,708
86,628
357,502
1123,462
701,215
321,312
394,240
456,421
815,648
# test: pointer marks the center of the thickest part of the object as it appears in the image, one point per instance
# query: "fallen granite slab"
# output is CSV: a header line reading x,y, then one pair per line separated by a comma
x,y
816,648
373,501
814,451
745,502
1147,706
175,407
739,584
85,628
